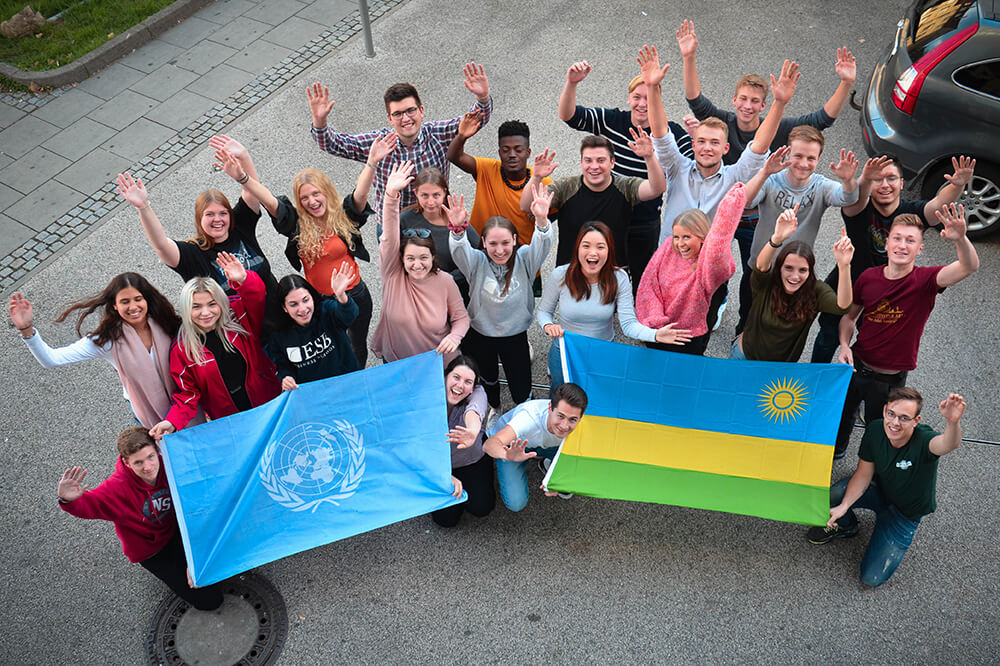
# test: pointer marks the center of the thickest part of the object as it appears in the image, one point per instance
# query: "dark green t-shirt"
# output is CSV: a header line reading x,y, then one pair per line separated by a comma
x,y
907,476
766,336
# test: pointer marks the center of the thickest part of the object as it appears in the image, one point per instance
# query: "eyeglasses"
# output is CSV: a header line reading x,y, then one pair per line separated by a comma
x,y
889,180
420,233
411,112
893,416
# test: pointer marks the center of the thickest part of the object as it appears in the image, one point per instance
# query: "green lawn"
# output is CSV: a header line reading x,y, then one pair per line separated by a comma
x,y
86,25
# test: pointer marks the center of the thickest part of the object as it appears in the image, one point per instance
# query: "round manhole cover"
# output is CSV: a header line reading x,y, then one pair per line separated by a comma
x,y
249,628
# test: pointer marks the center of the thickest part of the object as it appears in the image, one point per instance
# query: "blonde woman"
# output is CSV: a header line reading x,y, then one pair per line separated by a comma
x,y
323,230
218,362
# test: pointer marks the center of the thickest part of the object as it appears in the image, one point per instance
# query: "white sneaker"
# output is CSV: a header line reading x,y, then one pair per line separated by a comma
x,y
531,353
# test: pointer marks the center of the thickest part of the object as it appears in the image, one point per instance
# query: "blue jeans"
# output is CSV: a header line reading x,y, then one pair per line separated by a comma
x,y
555,367
735,352
891,537
513,478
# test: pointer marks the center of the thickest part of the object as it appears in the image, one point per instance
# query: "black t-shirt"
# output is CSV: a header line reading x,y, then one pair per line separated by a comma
x,y
233,368
578,204
868,231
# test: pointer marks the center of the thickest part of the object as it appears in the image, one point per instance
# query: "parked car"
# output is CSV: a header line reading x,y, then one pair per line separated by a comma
x,y
935,94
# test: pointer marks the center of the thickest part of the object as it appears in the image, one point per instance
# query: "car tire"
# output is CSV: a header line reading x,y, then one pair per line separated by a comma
x,y
981,197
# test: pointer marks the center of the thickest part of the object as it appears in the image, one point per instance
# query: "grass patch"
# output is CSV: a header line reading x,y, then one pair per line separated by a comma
x,y
85,26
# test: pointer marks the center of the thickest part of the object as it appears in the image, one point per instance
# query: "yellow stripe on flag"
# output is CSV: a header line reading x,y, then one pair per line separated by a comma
x,y
700,450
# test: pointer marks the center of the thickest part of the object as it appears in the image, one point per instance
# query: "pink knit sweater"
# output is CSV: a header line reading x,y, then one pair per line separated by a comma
x,y
415,314
675,290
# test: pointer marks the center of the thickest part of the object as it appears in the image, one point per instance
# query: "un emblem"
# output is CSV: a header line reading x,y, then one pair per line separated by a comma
x,y
313,463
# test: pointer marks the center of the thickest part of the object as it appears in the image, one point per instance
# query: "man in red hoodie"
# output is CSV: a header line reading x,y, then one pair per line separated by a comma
x,y
136,498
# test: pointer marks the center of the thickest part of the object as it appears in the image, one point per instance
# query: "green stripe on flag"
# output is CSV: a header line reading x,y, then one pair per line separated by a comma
x,y
612,479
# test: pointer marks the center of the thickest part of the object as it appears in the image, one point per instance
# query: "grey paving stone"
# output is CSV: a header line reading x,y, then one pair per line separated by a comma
x,y
259,57
221,82
164,82
152,55
239,32
123,109
8,197
32,170
138,139
68,108
189,32
40,208
294,32
110,81
328,12
205,55
79,138
24,135
9,115
273,12
5,160
181,109
224,11
13,234
91,173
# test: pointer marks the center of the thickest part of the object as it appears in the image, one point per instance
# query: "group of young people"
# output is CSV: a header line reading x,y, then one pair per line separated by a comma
x,y
645,233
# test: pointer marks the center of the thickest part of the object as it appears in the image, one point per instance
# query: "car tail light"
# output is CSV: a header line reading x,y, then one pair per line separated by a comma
x,y
908,85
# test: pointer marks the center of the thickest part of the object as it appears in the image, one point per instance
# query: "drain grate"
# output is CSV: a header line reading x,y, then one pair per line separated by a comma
x,y
262,600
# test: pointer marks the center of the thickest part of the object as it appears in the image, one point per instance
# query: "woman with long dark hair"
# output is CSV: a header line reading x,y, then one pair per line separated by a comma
x,y
588,291
134,334
787,298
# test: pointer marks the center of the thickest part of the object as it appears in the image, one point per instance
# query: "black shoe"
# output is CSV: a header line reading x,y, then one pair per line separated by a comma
x,y
820,535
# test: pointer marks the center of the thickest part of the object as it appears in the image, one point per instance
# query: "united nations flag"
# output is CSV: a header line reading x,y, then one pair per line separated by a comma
x,y
329,460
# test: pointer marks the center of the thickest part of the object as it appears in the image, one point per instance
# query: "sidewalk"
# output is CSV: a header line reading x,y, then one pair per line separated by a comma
x,y
60,151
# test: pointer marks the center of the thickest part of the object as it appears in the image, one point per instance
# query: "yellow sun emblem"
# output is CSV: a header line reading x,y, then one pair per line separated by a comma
x,y
783,400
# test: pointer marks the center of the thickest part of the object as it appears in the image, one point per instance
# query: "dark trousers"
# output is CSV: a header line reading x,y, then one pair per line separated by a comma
x,y
871,388
698,345
477,480
744,239
828,337
170,566
643,236
512,351
358,332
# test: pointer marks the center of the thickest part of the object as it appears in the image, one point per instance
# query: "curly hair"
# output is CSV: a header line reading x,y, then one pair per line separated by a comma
x,y
315,232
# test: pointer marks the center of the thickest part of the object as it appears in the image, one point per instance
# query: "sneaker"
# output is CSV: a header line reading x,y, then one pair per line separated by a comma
x,y
531,353
492,416
544,465
839,452
718,316
825,534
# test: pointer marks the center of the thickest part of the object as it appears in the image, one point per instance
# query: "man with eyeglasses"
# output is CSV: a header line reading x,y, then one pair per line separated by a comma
x,y
894,302
896,478
868,221
423,144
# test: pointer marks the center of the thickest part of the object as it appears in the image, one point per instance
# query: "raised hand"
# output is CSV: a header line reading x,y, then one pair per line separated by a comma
x,y
458,216
952,408
545,164
542,201
649,66
516,451
843,250
476,81
964,167
71,485
320,103
578,71
229,145
847,68
462,437
470,123
872,170
687,41
846,167
381,147
447,345
160,429
132,190
400,176
668,335
776,161
690,123
288,384
21,312
231,266
641,143
952,216
339,280
229,164
786,224
784,87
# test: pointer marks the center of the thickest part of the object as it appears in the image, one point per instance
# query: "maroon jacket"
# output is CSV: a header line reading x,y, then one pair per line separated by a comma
x,y
143,515
203,385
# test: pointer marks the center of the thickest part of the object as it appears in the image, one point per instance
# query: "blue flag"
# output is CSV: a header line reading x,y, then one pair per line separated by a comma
x,y
329,460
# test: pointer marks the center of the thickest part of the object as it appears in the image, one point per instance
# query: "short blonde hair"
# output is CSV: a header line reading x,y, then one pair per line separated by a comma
x,y
635,83
716,123
753,81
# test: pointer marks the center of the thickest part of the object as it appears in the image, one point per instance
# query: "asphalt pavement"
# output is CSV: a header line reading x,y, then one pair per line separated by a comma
x,y
577,581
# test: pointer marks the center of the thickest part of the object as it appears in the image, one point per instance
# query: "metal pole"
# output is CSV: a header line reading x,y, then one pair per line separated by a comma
x,y
366,27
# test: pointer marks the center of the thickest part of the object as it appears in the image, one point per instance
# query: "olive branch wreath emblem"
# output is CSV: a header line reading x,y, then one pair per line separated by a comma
x,y
352,478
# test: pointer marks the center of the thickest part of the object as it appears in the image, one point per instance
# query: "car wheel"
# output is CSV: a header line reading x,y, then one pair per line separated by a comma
x,y
981,197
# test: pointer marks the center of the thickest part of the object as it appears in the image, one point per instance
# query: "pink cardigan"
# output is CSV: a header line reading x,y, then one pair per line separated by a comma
x,y
415,314
675,290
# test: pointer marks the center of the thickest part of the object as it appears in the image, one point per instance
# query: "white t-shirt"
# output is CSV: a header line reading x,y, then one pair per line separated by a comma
x,y
528,420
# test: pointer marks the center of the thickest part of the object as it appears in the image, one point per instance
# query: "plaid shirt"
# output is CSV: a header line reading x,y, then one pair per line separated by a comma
x,y
429,150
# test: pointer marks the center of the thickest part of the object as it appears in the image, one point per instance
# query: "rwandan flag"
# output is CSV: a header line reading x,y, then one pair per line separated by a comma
x,y
747,437
329,460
